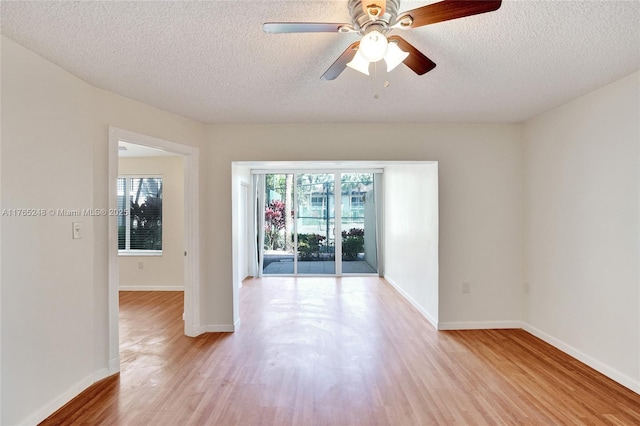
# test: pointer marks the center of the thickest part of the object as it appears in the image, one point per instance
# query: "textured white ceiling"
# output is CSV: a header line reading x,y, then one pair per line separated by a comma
x,y
211,61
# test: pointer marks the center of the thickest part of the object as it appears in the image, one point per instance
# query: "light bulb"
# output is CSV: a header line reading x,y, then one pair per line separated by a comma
x,y
395,56
373,46
359,63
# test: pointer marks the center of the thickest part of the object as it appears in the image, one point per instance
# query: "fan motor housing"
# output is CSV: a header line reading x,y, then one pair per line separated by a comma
x,y
362,20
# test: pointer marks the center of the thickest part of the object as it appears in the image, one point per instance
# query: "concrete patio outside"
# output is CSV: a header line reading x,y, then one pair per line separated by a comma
x,y
282,264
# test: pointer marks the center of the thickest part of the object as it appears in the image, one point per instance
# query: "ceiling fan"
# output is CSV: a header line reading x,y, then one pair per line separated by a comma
x,y
374,20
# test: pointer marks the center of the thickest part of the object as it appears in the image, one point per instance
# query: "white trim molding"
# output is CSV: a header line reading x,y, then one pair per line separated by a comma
x,y
192,243
217,328
597,365
192,231
151,288
114,366
221,328
58,402
412,301
479,325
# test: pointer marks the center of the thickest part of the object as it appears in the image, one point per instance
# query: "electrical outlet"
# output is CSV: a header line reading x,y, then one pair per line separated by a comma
x,y
527,288
466,287
140,265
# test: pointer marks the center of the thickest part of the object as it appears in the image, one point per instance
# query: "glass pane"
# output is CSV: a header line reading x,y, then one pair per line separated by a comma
x,y
278,224
358,222
145,197
316,224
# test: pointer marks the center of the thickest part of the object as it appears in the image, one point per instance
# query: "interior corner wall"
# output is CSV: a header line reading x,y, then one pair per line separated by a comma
x,y
55,329
480,175
165,272
411,234
582,228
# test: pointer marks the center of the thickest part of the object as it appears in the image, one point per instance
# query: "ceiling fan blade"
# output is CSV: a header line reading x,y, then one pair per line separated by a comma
x,y
419,63
447,10
341,63
302,27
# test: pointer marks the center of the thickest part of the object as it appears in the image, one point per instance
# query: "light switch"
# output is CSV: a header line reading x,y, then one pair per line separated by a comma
x,y
77,230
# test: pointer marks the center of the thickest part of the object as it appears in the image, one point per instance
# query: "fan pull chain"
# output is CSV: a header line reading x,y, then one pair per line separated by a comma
x,y
375,81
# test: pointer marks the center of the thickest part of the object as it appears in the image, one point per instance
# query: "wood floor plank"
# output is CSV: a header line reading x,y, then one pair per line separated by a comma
x,y
337,351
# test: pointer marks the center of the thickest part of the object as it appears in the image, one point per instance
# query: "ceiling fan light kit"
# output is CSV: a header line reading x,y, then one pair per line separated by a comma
x,y
374,47
395,56
373,20
359,63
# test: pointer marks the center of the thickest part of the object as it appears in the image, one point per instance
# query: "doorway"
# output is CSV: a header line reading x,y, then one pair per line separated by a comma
x,y
317,223
190,243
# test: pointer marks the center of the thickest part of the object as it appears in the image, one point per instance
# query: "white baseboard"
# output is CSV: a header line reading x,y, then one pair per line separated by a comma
x,y
601,367
100,374
597,365
413,302
151,288
58,402
71,393
114,366
217,328
478,325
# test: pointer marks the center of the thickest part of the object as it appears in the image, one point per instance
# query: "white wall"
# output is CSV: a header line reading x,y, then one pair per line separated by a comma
x,y
1,204
411,234
164,272
55,333
480,177
47,277
581,201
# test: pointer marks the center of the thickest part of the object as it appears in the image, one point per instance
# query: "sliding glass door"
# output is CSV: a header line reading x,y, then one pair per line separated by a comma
x,y
358,224
315,220
278,243
300,233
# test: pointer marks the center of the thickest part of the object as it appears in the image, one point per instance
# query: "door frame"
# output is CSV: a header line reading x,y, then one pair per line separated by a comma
x,y
192,326
244,247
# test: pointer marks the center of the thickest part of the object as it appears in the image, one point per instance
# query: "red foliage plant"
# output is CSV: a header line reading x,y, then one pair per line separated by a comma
x,y
274,216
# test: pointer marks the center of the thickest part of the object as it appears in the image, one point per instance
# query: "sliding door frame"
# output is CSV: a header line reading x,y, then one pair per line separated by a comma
x,y
337,221
337,214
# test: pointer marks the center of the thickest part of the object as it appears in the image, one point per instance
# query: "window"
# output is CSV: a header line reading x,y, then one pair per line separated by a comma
x,y
140,227
317,200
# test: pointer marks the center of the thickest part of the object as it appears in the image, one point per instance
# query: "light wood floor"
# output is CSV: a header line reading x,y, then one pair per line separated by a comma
x,y
327,351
